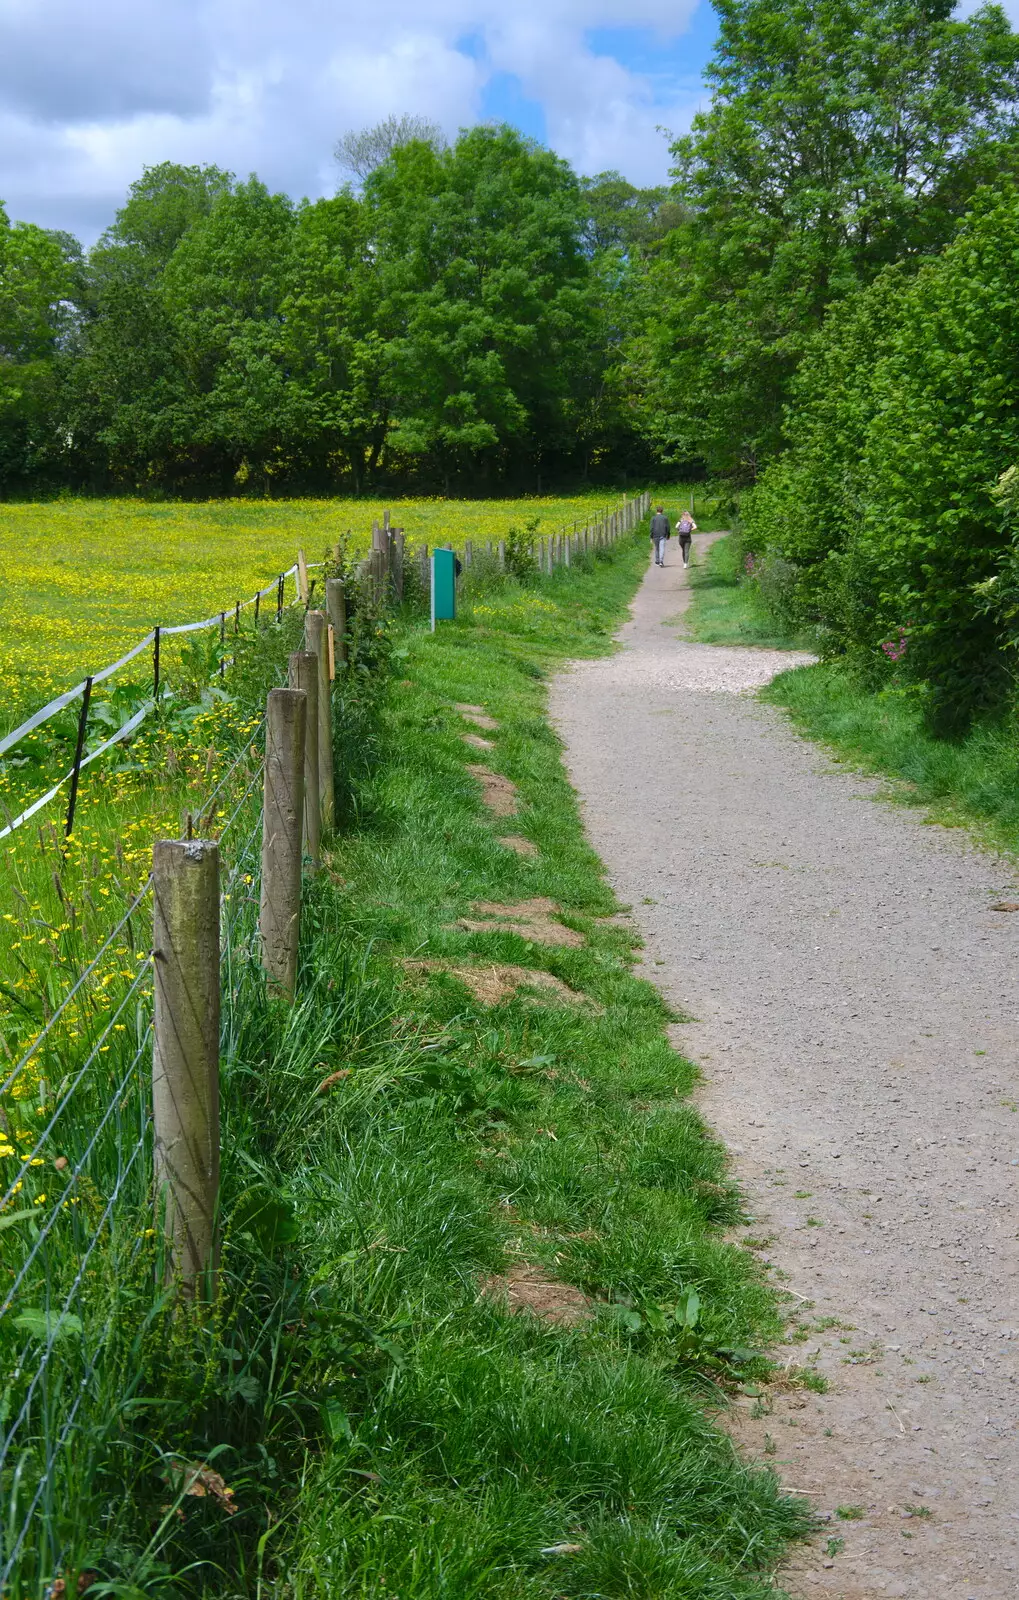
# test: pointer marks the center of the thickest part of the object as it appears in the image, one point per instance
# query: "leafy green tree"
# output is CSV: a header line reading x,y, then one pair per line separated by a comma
x,y
622,217
164,204
333,345
37,280
486,299
887,502
843,135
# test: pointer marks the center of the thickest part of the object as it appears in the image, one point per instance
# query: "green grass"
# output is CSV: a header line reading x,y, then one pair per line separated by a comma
x,y
385,1428
726,609
972,781
536,1133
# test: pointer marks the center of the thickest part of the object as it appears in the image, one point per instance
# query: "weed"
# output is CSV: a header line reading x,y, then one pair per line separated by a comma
x,y
851,1513
834,1547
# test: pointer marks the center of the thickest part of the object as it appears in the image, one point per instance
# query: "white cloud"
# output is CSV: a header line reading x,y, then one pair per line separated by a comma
x,y
88,95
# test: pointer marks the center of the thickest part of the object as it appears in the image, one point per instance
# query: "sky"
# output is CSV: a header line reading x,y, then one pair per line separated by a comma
x,y
92,93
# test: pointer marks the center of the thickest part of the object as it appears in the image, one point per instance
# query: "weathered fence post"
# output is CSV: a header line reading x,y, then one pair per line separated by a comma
x,y
317,630
502,555
424,570
468,554
336,606
302,578
185,1053
303,675
279,916
399,551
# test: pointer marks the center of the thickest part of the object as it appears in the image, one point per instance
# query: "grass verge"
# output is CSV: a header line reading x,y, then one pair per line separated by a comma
x,y
500,1454
968,782
728,610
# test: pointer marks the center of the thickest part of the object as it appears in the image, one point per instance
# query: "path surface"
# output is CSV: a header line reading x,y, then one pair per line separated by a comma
x,y
857,1011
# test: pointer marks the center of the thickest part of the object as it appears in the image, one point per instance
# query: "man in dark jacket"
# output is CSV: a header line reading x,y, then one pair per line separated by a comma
x,y
659,533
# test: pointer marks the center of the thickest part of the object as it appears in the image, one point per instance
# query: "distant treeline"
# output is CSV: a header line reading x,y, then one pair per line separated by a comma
x,y
478,316
457,323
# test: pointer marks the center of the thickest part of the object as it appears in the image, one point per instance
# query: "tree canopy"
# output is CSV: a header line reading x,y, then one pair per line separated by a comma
x,y
842,135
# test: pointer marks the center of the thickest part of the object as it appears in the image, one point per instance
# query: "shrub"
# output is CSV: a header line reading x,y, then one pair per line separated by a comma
x,y
905,419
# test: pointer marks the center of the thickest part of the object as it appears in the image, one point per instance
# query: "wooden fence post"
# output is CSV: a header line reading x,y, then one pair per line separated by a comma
x,y
399,551
336,606
185,1054
279,916
502,555
317,630
468,554
302,578
303,675
424,570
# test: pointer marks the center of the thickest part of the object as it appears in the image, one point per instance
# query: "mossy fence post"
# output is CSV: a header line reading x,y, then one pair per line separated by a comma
x,y
185,1055
279,916
302,674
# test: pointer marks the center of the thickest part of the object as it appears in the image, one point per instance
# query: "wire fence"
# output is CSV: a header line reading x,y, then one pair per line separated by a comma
x,y
82,1225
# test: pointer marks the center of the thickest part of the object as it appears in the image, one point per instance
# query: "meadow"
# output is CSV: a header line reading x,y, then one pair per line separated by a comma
x,y
82,580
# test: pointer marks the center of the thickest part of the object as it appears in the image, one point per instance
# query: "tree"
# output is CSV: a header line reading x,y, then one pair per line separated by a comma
x,y
843,135
164,204
623,217
486,298
36,281
361,153
885,502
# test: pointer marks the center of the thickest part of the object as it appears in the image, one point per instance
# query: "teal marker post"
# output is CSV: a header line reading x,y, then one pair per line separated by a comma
x,y
443,586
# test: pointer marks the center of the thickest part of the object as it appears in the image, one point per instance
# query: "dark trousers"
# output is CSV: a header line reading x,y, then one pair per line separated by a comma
x,y
685,540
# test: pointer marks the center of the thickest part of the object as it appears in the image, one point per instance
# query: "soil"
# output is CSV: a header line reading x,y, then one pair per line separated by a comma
x,y
476,742
498,793
531,919
854,1012
527,1288
494,983
522,846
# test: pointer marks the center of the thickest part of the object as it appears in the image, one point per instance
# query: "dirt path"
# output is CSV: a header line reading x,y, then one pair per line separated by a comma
x,y
856,1003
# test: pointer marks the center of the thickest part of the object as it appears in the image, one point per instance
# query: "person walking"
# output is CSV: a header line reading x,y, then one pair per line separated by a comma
x,y
660,531
686,528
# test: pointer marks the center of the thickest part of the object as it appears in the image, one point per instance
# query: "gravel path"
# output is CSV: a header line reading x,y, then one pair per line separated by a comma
x,y
856,1006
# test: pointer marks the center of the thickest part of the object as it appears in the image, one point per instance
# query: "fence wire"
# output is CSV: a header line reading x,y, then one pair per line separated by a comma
x,y
80,1243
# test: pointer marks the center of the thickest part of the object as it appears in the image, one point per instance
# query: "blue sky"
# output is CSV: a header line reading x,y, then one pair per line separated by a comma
x,y
90,94
671,67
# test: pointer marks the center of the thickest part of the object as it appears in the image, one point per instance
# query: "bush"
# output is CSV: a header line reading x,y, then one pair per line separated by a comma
x,y
905,418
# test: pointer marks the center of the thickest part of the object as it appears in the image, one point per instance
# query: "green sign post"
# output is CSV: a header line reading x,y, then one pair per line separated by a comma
x,y
443,586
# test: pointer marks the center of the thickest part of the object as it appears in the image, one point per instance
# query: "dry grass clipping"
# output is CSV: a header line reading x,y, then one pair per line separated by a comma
x,y
526,1288
531,919
491,985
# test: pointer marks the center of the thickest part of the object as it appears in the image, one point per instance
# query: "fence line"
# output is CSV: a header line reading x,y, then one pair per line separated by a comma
x,y
122,1174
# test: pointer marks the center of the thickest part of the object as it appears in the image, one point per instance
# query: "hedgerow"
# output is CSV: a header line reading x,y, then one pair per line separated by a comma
x,y
885,503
